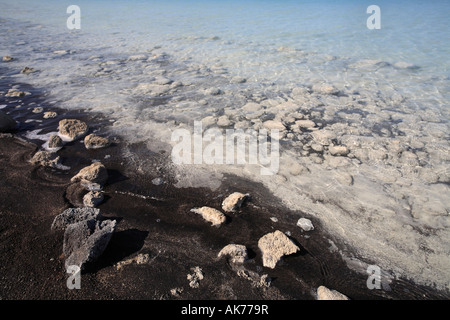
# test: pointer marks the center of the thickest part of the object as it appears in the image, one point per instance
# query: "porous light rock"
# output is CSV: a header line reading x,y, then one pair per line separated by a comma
x,y
236,252
95,173
211,215
55,141
323,293
234,201
45,159
93,141
72,129
93,199
274,246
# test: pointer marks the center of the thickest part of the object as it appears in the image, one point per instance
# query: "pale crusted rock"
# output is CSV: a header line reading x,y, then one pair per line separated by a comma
x,y
234,201
45,159
404,65
338,150
223,121
274,246
92,199
50,115
236,252
55,142
305,224
344,178
253,110
274,125
323,293
162,81
7,59
139,259
72,129
323,137
15,93
238,79
151,89
137,57
325,89
305,124
256,280
27,70
300,91
211,215
93,141
208,121
195,277
95,173
213,91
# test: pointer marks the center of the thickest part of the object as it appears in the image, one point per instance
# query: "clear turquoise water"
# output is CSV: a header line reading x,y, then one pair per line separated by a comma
x,y
246,35
413,31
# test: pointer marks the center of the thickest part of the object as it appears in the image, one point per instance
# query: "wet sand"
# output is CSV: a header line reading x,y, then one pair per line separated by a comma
x,y
154,220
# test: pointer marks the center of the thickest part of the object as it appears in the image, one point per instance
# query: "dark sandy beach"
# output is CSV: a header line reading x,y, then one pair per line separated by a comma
x,y
152,220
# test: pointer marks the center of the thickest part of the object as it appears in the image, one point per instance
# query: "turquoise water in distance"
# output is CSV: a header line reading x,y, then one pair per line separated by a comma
x,y
413,31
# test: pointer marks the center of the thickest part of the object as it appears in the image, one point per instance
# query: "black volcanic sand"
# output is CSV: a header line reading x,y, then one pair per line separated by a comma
x,y
159,224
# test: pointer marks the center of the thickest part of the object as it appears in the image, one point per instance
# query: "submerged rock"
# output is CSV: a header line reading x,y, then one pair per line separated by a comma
x,y
238,253
274,125
72,129
338,150
325,89
93,141
74,215
213,91
305,124
234,201
6,122
223,121
211,215
95,173
323,293
27,70
238,79
274,246
405,65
